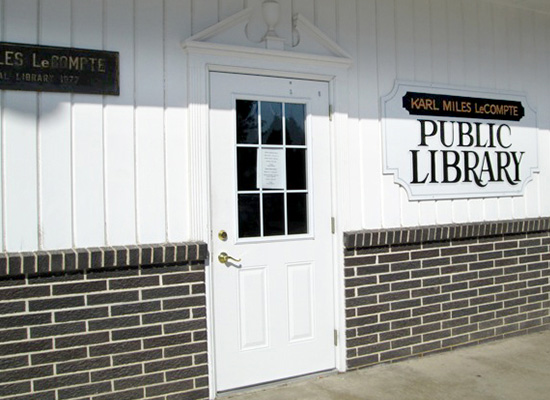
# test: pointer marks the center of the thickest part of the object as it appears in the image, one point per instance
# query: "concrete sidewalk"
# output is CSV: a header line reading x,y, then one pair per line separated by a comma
x,y
512,369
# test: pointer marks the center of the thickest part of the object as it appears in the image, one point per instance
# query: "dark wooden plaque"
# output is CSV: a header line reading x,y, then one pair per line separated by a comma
x,y
58,69
441,105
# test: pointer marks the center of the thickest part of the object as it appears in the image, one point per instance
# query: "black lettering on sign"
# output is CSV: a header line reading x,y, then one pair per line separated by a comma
x,y
58,69
481,154
442,105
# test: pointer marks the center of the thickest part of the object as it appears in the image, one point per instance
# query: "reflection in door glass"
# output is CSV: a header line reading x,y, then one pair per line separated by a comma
x,y
297,213
296,169
272,123
274,214
247,158
295,116
249,215
247,121
272,169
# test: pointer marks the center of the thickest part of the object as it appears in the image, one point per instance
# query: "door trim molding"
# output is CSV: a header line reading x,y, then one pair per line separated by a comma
x,y
204,58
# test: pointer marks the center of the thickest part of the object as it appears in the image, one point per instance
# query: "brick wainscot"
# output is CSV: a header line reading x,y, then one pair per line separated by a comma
x,y
104,324
414,291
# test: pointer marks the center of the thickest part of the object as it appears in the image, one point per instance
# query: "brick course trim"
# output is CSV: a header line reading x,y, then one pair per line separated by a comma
x,y
44,262
366,239
414,291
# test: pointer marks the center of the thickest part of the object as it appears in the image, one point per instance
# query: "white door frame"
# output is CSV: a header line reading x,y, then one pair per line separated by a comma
x,y
204,58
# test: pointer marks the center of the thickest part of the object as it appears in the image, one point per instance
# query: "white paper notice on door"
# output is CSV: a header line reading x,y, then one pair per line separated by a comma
x,y
272,164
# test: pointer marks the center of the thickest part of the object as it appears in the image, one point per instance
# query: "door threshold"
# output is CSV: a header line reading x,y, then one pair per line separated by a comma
x,y
274,384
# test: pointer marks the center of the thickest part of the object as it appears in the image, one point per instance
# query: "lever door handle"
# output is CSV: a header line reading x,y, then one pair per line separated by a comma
x,y
223,257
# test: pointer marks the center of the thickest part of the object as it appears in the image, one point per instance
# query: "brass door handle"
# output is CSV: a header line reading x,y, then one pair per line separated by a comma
x,y
223,257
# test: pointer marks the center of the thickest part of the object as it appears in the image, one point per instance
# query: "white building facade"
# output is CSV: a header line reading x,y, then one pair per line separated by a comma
x,y
274,189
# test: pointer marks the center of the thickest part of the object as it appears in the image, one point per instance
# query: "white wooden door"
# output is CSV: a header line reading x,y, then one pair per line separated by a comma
x,y
271,211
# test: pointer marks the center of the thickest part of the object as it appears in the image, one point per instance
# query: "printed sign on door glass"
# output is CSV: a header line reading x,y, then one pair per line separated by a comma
x,y
272,162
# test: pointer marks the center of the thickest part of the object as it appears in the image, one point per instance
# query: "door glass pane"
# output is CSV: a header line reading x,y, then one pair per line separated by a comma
x,y
296,169
272,123
247,121
249,215
247,158
295,115
297,213
274,214
271,168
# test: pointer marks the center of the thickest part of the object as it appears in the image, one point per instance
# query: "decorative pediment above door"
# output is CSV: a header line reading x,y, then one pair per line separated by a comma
x,y
260,40
264,27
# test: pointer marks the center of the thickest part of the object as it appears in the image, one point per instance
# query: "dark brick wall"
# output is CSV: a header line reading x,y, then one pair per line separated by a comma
x,y
133,327
411,292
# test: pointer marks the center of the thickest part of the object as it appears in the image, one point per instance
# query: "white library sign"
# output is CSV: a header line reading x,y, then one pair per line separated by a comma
x,y
448,143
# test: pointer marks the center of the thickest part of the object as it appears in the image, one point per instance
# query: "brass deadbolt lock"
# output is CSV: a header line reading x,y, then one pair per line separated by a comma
x,y
222,235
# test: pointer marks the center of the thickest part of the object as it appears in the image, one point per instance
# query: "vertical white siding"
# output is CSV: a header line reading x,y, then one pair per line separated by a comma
x,y
19,152
54,138
529,68
387,73
326,12
518,83
178,25
119,128
84,170
305,8
87,136
347,36
408,68
516,79
149,120
542,37
464,43
205,14
228,7
371,160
